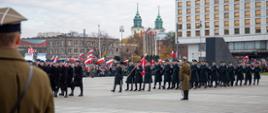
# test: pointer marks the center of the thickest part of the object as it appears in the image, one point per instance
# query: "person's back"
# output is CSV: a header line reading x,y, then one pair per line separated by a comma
x,y
23,88
14,73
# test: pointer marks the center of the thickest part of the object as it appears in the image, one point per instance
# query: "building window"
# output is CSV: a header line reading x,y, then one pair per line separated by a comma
x,y
216,31
75,50
267,29
179,4
197,33
180,19
197,25
188,3
236,1
180,11
207,17
216,1
188,26
258,21
247,30
216,24
188,18
226,15
258,13
69,51
179,26
188,11
226,1
188,33
179,34
226,23
236,14
226,32
197,18
258,29
236,7
236,23
207,32
207,25
226,7
247,22
197,10
247,6
236,30
258,4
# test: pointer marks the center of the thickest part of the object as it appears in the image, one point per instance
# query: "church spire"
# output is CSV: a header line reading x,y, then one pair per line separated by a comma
x,y
137,19
158,21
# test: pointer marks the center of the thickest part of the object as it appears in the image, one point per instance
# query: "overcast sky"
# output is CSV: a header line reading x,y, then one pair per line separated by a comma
x,y
75,15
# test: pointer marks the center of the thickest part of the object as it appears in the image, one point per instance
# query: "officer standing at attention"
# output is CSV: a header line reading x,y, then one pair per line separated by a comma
x,y
185,77
24,88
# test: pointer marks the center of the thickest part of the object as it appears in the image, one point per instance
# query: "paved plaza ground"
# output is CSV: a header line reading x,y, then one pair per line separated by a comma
x,y
99,99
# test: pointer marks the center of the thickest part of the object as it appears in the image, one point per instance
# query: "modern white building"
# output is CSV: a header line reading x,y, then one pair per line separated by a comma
x,y
242,23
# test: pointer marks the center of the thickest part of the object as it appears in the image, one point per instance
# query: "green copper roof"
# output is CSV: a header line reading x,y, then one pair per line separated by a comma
x,y
137,19
158,21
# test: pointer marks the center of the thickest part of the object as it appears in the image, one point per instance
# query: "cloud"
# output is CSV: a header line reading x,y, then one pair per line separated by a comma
x,y
70,15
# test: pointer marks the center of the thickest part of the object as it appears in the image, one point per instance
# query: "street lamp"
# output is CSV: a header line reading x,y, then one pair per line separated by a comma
x,y
99,41
122,30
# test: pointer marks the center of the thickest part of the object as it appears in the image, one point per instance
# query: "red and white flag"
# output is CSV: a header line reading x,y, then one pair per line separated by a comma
x,y
126,61
90,52
109,62
88,61
100,61
55,59
31,51
91,56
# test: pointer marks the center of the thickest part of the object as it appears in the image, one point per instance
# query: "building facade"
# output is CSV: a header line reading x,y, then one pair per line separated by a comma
x,y
67,46
242,23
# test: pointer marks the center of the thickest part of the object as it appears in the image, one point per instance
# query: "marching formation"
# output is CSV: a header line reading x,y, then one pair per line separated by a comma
x,y
63,76
167,75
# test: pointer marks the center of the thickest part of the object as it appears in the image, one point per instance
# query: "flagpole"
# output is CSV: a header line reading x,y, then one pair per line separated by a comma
x,y
99,41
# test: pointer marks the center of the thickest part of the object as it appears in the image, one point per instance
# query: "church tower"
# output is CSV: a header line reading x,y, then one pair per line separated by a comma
x,y
159,22
137,28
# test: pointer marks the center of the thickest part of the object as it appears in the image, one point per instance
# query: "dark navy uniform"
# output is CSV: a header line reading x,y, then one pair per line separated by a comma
x,y
194,77
118,79
147,77
167,76
130,78
158,75
257,75
138,78
175,76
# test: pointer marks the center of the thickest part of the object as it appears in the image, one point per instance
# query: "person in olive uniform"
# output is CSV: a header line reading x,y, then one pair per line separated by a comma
x,y
28,88
185,77
118,79
158,75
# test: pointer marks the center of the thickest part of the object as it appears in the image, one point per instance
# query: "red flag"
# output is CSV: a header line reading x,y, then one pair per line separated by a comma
x,y
152,62
143,62
100,61
88,61
173,54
